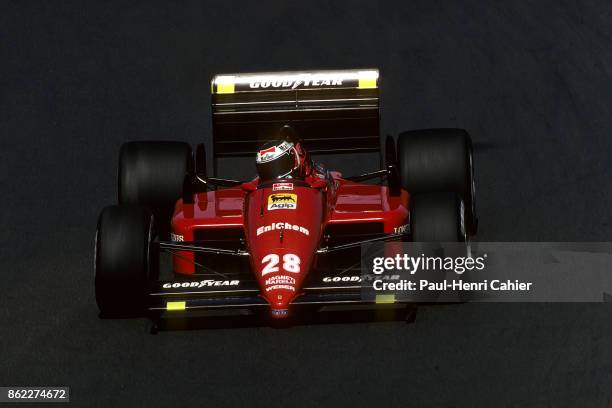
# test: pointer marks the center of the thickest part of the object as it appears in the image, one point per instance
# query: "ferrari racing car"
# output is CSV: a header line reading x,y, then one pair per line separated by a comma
x,y
289,233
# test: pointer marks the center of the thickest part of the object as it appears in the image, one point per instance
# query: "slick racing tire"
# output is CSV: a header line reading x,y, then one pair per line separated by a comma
x,y
124,261
437,220
151,175
436,160
437,217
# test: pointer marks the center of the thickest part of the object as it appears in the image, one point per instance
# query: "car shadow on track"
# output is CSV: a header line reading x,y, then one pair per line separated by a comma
x,y
304,318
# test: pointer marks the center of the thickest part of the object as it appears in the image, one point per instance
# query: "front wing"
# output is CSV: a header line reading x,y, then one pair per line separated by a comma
x,y
323,287
181,297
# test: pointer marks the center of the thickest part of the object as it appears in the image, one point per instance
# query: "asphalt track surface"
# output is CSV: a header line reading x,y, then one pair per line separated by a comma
x,y
531,81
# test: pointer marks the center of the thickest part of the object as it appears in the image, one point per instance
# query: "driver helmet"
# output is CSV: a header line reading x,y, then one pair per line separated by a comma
x,y
277,159
281,158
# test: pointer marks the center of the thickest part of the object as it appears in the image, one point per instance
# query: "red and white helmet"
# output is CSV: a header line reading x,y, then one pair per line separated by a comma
x,y
282,158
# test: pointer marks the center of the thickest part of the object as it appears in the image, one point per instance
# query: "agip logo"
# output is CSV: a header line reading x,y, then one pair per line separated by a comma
x,y
282,201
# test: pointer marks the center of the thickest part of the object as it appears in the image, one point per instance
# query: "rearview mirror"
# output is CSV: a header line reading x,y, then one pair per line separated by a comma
x,y
319,184
200,161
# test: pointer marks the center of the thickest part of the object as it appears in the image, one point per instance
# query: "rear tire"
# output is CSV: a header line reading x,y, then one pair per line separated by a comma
x,y
124,261
151,175
435,160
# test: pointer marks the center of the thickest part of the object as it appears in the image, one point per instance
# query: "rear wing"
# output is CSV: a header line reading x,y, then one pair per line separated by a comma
x,y
331,111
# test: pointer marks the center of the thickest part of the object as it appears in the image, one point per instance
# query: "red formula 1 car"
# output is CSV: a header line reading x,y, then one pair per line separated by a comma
x,y
291,235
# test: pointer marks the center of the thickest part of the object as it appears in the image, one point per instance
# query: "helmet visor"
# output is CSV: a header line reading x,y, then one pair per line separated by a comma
x,y
279,167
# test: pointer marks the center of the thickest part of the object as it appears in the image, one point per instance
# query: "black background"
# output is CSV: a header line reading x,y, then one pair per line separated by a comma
x,y
531,81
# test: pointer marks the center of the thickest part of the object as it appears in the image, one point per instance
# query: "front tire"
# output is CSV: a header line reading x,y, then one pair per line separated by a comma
x,y
124,260
437,222
437,217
